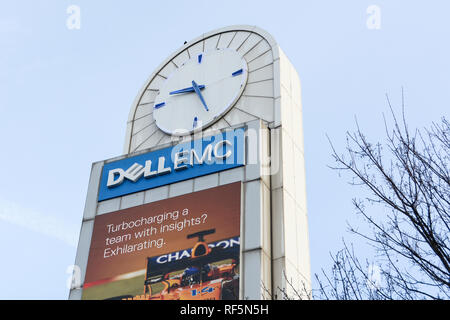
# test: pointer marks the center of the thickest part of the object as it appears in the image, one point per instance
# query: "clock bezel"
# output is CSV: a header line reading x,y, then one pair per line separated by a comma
x,y
221,113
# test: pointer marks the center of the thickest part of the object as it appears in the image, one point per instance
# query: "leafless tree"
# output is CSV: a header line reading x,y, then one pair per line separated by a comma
x,y
408,211
289,291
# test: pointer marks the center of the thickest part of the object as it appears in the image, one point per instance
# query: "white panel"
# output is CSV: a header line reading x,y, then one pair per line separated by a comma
x,y
277,112
84,244
277,224
294,287
142,123
196,49
261,61
303,247
152,140
259,89
92,194
297,124
225,39
265,161
107,206
75,294
156,194
232,175
167,70
288,163
180,188
299,178
257,106
148,97
143,135
257,51
181,58
266,277
127,137
143,110
266,221
252,224
236,116
290,228
276,80
239,39
165,140
132,200
285,72
279,280
219,125
156,83
276,159
211,43
250,43
286,110
295,87
253,151
265,73
252,275
206,182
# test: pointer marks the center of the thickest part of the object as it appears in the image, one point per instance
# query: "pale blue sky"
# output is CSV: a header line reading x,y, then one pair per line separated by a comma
x,y
65,97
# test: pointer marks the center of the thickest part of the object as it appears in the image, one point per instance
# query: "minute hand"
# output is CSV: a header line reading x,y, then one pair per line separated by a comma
x,y
197,91
185,90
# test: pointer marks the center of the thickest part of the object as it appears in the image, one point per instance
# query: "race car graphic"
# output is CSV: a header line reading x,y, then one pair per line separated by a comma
x,y
205,272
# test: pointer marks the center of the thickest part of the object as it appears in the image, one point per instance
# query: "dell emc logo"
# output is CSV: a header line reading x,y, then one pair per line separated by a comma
x,y
181,161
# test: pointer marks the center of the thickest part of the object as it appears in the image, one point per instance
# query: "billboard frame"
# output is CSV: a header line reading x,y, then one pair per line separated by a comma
x,y
255,255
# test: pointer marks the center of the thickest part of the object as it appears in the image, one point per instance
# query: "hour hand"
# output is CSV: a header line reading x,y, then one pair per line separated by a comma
x,y
185,90
197,91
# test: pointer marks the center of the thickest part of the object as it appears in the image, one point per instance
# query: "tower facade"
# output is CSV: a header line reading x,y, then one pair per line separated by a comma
x,y
216,131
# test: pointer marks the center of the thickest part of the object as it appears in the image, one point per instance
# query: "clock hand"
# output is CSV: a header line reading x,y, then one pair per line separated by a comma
x,y
202,86
185,90
197,91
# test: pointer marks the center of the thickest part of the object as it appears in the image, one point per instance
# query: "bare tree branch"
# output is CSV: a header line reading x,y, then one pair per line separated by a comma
x,y
408,181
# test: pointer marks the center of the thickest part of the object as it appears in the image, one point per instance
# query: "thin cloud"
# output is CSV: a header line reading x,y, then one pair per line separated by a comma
x,y
35,221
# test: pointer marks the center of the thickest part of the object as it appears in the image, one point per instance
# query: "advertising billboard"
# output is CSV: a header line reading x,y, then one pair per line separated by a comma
x,y
173,164
186,248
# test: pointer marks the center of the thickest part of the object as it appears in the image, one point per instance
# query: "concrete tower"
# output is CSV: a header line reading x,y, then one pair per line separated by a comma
x,y
274,246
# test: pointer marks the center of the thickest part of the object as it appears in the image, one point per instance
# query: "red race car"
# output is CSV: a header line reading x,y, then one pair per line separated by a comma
x,y
205,272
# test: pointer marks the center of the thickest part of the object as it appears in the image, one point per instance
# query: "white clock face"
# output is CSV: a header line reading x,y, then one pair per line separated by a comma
x,y
200,91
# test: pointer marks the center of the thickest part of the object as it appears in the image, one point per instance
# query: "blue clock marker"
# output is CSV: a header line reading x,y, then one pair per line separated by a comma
x,y
236,73
159,105
194,125
200,58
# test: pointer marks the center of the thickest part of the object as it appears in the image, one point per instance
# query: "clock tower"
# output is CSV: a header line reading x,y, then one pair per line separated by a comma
x,y
230,79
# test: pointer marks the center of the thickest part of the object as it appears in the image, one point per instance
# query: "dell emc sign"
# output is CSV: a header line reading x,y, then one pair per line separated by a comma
x,y
165,166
